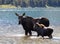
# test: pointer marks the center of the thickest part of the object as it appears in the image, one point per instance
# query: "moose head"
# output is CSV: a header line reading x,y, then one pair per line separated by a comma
x,y
20,17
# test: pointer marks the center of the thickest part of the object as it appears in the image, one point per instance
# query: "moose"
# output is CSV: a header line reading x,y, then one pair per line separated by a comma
x,y
28,22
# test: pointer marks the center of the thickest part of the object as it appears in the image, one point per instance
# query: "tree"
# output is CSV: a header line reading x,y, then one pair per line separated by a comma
x,y
32,3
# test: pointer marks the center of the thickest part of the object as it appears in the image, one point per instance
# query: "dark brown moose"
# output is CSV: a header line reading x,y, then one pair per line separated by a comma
x,y
28,22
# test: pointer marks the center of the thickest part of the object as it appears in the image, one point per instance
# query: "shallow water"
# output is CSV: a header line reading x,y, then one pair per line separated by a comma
x,y
15,35
27,40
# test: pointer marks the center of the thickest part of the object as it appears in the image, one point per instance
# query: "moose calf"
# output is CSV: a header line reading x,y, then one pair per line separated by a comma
x,y
43,31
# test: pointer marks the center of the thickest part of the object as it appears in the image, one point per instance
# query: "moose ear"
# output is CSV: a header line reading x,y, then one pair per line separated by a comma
x,y
16,14
23,14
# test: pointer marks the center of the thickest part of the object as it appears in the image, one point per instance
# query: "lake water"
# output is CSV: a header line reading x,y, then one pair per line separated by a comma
x,y
9,23
7,16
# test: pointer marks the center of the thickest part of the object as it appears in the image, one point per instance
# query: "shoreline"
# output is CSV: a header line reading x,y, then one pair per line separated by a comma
x,y
7,6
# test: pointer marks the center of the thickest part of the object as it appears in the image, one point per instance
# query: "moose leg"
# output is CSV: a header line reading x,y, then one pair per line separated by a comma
x,y
30,33
50,37
26,32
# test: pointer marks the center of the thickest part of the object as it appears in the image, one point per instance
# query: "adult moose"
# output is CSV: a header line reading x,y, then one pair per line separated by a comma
x,y
28,22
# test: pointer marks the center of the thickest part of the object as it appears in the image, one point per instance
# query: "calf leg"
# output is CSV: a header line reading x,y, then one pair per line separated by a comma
x,y
43,37
38,34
